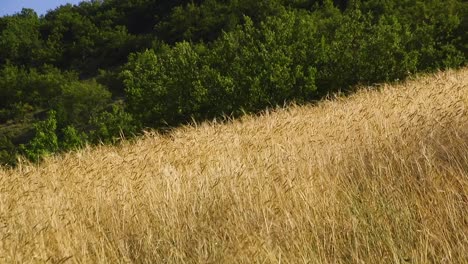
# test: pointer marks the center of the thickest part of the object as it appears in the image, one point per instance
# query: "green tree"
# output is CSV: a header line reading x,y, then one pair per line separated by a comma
x,y
37,88
206,20
71,39
19,38
267,65
166,88
261,67
45,142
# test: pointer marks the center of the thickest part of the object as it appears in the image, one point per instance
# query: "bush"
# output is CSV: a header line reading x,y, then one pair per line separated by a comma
x,y
45,141
72,139
358,50
79,101
260,67
265,66
109,127
7,152
166,88
36,87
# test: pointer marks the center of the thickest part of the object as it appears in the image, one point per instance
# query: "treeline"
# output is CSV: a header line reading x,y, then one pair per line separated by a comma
x,y
104,69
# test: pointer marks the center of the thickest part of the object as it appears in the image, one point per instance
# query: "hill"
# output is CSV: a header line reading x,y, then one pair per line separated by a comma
x,y
88,73
379,177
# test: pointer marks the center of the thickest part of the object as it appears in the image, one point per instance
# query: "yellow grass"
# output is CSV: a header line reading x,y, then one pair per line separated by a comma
x,y
380,177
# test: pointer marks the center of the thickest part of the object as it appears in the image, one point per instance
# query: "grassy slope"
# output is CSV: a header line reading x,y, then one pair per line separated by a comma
x,y
381,177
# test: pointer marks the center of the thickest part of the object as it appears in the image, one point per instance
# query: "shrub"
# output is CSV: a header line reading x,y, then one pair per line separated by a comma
x,y
45,141
72,139
79,101
266,66
109,127
7,152
165,88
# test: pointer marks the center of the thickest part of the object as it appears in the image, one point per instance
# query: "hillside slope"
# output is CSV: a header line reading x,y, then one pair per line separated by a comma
x,y
380,177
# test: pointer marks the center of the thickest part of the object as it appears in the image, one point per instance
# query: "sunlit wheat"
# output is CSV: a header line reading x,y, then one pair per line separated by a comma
x,y
380,177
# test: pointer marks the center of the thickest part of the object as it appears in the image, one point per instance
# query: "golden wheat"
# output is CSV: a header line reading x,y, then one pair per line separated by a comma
x,y
379,177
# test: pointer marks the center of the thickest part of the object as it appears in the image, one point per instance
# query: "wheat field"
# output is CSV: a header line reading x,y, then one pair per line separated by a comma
x,y
377,177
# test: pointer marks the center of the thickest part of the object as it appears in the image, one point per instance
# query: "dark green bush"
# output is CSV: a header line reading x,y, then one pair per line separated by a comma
x,y
79,101
37,87
7,152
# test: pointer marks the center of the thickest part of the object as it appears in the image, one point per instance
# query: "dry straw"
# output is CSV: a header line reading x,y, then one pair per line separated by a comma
x,y
380,177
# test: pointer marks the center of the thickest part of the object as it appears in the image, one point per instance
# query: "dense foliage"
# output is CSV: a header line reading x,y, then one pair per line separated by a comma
x,y
105,69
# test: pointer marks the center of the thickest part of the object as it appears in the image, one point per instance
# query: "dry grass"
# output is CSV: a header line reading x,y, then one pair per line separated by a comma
x,y
380,177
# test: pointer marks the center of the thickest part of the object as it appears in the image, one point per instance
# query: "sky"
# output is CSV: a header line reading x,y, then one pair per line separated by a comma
x,y
9,7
